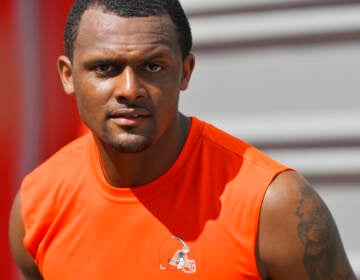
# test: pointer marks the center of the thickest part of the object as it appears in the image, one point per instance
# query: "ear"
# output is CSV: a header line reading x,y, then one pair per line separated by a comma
x,y
188,67
64,67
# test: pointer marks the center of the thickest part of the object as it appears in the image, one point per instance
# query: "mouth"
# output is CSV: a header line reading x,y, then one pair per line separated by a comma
x,y
129,116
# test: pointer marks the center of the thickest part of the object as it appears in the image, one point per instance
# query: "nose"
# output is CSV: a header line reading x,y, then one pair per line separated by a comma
x,y
129,86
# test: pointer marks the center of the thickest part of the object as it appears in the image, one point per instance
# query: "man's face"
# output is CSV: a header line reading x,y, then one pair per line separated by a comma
x,y
126,74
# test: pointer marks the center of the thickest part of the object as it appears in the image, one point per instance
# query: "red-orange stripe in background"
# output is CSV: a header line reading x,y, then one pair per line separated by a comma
x,y
60,117
57,112
9,127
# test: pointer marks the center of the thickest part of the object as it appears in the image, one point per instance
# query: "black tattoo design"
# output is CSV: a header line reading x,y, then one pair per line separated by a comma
x,y
324,257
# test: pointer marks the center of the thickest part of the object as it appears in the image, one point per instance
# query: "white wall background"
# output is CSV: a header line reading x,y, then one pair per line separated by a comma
x,y
284,76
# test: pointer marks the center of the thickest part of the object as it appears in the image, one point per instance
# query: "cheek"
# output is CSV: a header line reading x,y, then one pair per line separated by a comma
x,y
91,94
90,105
166,100
169,85
167,89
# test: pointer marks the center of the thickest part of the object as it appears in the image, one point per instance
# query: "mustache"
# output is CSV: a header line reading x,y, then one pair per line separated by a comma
x,y
144,109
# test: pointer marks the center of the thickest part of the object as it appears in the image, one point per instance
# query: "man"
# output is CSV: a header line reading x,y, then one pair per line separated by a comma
x,y
151,193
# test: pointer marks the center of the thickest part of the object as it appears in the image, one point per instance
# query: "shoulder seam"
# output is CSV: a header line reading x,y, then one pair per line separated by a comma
x,y
243,157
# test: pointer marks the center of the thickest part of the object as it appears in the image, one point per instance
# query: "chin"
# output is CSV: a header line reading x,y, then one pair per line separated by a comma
x,y
130,143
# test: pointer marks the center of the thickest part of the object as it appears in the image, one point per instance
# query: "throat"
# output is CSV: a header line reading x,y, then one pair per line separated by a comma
x,y
137,169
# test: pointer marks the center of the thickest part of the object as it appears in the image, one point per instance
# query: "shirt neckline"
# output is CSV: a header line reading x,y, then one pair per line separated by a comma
x,y
150,190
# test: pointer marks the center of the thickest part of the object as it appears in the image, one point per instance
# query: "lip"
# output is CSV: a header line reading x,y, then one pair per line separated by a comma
x,y
129,116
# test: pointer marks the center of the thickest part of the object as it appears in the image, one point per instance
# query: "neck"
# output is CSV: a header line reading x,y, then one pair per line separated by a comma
x,y
136,169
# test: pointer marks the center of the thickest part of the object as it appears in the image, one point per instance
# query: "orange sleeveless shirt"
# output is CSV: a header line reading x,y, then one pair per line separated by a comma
x,y
199,220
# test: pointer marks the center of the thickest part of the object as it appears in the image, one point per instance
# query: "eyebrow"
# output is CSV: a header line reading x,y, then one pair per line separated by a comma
x,y
99,61
157,55
90,63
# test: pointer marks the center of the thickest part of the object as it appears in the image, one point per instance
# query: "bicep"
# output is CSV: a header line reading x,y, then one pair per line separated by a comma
x,y
298,237
16,235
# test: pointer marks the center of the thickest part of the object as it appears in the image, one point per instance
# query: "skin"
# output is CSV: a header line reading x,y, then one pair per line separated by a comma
x,y
124,68
304,243
126,77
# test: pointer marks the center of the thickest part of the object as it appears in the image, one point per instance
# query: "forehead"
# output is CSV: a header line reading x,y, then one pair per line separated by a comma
x,y
103,31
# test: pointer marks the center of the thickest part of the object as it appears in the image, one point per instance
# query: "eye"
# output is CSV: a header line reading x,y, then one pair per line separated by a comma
x,y
153,67
104,68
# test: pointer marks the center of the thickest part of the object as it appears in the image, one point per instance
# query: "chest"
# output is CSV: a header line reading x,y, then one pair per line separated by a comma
x,y
167,240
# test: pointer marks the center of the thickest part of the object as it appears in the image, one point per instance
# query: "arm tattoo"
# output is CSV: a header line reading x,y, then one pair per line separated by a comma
x,y
324,257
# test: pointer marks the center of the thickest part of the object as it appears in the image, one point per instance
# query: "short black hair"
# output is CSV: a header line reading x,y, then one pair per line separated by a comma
x,y
130,8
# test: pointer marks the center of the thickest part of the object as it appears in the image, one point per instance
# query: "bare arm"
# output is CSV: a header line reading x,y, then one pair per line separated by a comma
x,y
298,238
16,234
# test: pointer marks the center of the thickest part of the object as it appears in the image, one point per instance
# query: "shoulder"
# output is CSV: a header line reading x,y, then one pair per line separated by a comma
x,y
298,237
70,153
52,183
52,177
247,153
49,187
62,162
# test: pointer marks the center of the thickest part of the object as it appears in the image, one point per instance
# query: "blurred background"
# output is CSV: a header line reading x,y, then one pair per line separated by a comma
x,y
281,74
